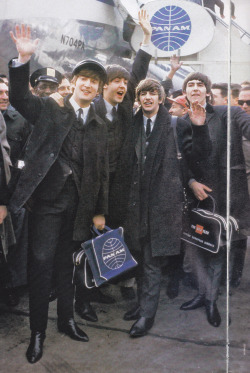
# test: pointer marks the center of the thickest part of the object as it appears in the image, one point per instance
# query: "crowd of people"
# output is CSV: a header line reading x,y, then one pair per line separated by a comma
x,y
100,148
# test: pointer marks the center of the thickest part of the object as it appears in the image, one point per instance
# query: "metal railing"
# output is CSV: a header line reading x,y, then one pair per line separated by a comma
x,y
235,24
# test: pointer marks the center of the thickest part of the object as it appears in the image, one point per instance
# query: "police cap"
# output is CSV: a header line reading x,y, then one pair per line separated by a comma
x,y
45,74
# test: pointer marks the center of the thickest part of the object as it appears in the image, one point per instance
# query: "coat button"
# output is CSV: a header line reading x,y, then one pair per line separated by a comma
x,y
52,155
134,203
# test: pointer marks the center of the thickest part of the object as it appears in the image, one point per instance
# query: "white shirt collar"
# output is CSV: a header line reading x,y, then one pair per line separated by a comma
x,y
153,118
76,107
109,108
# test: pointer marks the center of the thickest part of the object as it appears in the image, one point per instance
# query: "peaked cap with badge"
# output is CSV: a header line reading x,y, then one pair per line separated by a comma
x,y
45,74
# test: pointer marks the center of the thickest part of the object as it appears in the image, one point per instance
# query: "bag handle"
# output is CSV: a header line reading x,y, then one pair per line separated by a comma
x,y
213,202
99,233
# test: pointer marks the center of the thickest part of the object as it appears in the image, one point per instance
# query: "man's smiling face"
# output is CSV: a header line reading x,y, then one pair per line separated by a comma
x,y
115,90
196,91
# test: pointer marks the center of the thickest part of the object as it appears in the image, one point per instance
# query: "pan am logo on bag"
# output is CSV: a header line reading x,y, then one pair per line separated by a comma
x,y
171,28
113,253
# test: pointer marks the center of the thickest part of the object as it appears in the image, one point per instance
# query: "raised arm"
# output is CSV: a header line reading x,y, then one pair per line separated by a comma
x,y
20,96
145,25
24,44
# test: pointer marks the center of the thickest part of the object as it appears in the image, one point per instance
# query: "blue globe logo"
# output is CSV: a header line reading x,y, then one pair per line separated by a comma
x,y
171,28
113,253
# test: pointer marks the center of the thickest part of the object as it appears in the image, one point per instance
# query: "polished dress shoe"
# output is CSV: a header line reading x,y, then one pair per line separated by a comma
x,y
35,349
85,311
196,302
70,328
132,314
97,296
141,327
213,316
11,298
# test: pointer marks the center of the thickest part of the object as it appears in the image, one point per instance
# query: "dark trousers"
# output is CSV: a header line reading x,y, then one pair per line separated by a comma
x,y
207,268
151,281
51,246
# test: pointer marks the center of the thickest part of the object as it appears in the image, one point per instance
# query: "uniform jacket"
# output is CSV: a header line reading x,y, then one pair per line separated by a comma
x,y
51,126
213,170
151,204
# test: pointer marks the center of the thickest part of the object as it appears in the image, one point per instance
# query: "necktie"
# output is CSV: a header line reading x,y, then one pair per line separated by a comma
x,y
114,113
148,128
79,116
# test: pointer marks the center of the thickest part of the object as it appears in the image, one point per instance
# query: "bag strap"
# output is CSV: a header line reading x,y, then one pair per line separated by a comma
x,y
99,233
213,202
174,125
179,158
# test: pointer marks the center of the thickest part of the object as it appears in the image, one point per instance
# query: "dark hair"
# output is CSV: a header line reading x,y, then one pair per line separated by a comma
x,y
89,74
222,87
3,76
235,90
150,85
197,76
116,71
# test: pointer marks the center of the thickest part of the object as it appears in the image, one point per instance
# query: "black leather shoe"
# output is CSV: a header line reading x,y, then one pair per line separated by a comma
x,y
127,293
35,349
213,316
141,327
196,302
132,314
172,290
70,328
97,296
11,297
86,312
53,295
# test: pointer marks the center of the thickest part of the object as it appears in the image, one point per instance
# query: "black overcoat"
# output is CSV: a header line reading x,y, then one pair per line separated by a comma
x,y
151,204
212,171
51,126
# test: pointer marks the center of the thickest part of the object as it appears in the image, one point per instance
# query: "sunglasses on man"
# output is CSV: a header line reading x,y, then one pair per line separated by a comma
x,y
241,102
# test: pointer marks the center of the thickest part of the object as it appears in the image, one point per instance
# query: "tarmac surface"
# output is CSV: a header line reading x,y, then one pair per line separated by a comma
x,y
179,341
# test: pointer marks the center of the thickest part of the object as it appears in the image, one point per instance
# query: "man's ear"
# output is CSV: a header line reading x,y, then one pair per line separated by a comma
x,y
105,86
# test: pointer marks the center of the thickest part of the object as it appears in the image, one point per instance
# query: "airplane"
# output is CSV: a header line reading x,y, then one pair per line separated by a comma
x,y
108,30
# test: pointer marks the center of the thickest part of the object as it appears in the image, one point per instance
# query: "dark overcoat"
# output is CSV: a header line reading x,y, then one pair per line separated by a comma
x,y
212,171
151,203
51,126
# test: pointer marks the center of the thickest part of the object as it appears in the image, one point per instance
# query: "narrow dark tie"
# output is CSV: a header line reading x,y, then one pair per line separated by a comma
x,y
79,116
148,128
114,113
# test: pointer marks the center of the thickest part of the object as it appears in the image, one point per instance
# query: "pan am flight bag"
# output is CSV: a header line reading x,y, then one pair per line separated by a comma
x,y
207,230
102,258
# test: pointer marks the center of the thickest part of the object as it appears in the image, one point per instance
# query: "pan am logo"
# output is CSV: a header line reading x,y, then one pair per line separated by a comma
x,y
171,28
113,253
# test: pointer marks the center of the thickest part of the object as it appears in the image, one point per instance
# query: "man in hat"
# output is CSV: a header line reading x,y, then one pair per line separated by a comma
x,y
45,81
64,183
179,106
